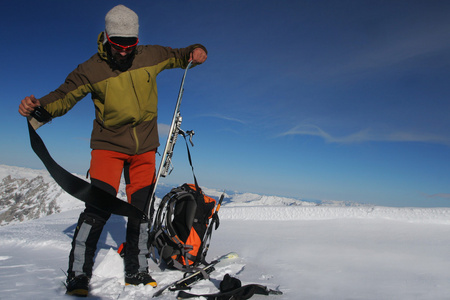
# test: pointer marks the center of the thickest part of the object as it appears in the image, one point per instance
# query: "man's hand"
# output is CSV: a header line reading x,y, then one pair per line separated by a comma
x,y
27,105
198,56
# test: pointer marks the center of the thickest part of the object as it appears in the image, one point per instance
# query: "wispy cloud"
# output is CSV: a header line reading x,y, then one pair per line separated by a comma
x,y
163,129
224,117
366,135
440,195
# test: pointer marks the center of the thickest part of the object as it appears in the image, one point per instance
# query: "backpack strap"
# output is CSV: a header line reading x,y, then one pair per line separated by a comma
x,y
158,233
190,159
187,203
166,236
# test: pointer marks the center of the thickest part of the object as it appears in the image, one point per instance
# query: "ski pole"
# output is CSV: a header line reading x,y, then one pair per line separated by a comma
x,y
215,221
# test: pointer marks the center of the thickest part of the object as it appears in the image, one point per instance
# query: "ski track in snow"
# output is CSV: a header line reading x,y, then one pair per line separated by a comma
x,y
306,252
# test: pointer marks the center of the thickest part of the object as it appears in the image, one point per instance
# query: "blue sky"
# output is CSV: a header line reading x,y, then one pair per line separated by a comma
x,y
327,100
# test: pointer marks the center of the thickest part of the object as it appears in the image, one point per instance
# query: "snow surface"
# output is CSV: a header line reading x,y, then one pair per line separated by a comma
x,y
307,252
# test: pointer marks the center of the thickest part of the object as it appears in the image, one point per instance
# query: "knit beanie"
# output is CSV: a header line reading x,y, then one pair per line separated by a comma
x,y
122,22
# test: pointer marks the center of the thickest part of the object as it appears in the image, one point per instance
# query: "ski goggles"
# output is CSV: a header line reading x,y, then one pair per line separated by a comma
x,y
118,47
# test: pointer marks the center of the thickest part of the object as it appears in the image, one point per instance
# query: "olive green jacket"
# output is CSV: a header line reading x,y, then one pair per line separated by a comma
x,y
125,102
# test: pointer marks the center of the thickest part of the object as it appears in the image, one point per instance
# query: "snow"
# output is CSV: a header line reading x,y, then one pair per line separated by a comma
x,y
19,172
307,252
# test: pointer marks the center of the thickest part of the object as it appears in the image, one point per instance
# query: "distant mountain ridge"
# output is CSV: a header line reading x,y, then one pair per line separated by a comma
x,y
22,198
27,194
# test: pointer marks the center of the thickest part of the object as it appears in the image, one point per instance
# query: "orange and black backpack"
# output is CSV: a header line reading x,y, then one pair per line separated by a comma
x,y
183,226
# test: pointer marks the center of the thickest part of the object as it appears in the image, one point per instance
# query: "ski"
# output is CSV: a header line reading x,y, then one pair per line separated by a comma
x,y
166,157
192,278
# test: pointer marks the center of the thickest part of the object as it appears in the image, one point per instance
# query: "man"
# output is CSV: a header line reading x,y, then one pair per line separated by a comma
x,y
121,78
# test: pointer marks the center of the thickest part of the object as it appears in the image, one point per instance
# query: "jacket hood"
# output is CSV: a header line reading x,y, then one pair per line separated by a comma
x,y
101,46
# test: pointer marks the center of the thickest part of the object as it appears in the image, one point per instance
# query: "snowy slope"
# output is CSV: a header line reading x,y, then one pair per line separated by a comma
x,y
321,253
308,252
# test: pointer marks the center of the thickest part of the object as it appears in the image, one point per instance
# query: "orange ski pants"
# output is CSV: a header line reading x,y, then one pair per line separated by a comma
x,y
138,170
106,172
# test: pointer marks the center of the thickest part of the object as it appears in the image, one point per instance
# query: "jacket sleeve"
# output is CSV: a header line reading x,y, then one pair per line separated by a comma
x,y
75,87
168,58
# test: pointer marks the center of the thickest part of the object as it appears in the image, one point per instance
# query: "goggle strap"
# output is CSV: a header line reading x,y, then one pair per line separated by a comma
x,y
121,46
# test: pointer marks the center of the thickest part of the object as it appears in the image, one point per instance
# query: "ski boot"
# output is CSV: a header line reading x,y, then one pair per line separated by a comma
x,y
140,278
77,285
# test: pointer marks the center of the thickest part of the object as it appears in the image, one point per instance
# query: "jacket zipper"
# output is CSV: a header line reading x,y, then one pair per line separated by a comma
x,y
138,114
136,139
